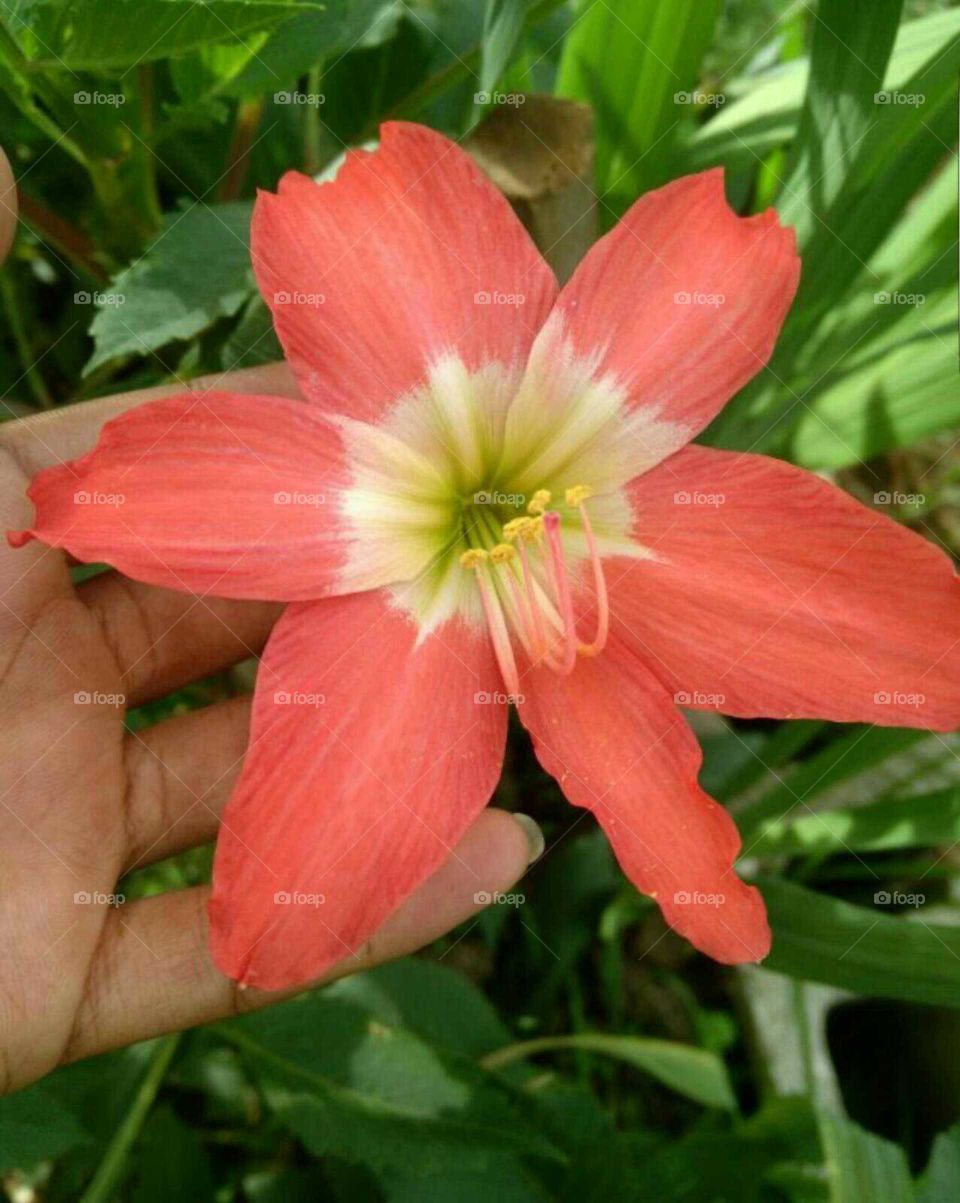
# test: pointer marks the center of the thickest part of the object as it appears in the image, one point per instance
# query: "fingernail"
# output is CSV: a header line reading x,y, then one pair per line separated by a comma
x,y
535,840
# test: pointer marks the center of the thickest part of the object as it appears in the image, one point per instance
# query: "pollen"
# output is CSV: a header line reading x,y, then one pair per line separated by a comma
x,y
473,557
539,501
578,494
503,553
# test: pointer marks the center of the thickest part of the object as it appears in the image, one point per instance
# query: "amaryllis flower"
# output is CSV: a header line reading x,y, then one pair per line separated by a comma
x,y
488,494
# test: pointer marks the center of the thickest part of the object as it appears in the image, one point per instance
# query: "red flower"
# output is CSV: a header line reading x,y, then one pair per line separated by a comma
x,y
425,511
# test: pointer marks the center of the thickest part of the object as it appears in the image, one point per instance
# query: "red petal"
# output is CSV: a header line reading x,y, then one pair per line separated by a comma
x,y
354,788
373,276
219,493
776,594
613,739
683,359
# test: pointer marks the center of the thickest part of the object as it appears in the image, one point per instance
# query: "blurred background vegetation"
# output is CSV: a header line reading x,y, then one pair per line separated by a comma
x,y
566,1047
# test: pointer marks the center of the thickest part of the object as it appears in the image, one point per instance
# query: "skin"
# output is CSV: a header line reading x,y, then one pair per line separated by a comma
x,y
84,800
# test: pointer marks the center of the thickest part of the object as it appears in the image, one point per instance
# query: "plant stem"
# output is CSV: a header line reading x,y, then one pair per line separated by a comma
x,y
37,384
109,1175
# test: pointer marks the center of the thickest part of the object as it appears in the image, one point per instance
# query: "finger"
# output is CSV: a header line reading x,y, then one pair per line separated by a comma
x,y
8,206
63,434
153,972
162,640
180,774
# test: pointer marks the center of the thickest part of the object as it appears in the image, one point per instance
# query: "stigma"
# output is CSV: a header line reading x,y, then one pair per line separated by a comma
x,y
524,581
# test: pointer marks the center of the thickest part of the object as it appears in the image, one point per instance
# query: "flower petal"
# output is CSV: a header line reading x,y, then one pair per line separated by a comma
x,y
409,254
369,757
223,493
775,594
613,739
670,314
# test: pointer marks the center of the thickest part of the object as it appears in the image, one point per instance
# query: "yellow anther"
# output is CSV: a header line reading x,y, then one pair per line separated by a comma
x,y
539,501
534,530
578,494
473,558
503,553
516,528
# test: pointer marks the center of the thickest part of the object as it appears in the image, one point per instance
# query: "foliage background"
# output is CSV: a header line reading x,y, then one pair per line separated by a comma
x,y
829,1074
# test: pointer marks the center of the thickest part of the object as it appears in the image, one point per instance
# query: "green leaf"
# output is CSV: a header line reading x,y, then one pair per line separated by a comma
x,y
940,1181
502,25
197,271
862,1167
435,1003
852,42
171,1162
636,62
918,822
823,939
104,34
35,1126
694,1072
763,109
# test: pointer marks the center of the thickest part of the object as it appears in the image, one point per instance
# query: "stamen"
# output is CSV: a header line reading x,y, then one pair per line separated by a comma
x,y
475,559
561,583
539,501
576,496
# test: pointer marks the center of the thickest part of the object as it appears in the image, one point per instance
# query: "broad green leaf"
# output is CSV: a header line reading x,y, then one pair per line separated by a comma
x,y
637,62
940,1181
313,39
406,1107
919,822
862,1167
430,1000
852,41
105,34
171,1162
694,1072
868,951
36,1126
198,270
